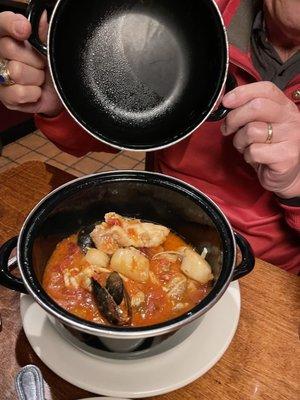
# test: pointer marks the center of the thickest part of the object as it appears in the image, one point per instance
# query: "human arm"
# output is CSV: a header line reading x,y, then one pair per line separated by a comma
x,y
67,135
277,164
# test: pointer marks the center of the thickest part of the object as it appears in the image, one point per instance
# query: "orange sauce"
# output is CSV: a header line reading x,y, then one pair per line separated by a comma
x,y
157,306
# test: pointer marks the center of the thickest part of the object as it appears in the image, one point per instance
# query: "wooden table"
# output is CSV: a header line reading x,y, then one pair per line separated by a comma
x,y
262,361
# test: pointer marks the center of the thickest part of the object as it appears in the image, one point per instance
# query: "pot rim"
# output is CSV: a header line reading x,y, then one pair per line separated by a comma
x,y
132,147
134,332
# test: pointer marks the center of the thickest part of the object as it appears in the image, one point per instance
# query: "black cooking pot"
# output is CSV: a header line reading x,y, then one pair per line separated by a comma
x,y
138,75
144,195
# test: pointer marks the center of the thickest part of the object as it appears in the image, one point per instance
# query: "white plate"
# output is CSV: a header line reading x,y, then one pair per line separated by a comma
x,y
160,372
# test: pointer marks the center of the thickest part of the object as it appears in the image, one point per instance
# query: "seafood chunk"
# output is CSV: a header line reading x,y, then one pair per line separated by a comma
x,y
97,257
177,286
132,263
195,267
107,305
82,278
193,264
70,281
110,239
138,299
105,240
118,231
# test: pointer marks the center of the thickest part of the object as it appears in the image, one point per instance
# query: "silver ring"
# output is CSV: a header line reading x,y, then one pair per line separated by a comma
x,y
270,134
5,79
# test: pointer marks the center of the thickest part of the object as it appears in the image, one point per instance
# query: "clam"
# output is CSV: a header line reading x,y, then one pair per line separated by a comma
x,y
109,299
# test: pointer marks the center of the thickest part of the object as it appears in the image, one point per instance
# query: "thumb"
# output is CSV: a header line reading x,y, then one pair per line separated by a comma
x,y
43,27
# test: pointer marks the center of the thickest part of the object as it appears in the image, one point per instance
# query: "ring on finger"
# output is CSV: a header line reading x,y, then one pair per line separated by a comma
x,y
5,79
269,134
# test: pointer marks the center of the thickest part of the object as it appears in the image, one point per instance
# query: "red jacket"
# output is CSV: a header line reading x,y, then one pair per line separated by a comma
x,y
209,161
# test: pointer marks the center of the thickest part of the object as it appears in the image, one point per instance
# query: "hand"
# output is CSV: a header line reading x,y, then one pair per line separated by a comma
x,y
33,91
254,106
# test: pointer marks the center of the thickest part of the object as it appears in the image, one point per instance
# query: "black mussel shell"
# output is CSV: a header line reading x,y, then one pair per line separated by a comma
x,y
115,287
108,307
84,239
105,303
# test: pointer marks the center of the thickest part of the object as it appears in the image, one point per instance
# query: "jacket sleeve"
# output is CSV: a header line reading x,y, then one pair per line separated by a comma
x,y
292,216
68,136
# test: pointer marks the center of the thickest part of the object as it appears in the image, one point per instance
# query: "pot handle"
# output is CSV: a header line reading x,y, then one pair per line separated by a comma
x,y
222,111
6,278
34,12
248,259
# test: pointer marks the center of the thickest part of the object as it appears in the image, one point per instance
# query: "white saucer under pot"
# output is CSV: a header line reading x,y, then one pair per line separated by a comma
x,y
162,369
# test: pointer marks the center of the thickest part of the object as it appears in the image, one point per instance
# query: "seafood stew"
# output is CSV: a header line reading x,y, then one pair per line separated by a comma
x,y
127,272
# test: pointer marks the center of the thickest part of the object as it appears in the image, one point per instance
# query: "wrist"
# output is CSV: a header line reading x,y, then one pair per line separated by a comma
x,y
291,192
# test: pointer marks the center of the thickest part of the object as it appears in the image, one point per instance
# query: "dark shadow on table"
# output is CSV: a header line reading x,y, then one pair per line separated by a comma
x,y
59,177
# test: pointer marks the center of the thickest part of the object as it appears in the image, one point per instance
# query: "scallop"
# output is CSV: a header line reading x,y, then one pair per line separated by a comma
x,y
196,267
97,257
132,263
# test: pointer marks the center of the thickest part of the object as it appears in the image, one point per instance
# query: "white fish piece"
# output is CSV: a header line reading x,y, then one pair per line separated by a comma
x,y
127,232
104,239
70,281
82,279
177,286
132,263
196,267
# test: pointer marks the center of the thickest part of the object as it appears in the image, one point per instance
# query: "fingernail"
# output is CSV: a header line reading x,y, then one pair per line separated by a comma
x,y
230,98
20,27
44,16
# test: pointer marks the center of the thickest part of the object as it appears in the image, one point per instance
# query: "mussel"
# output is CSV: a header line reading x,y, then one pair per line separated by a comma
x,y
84,239
115,287
109,298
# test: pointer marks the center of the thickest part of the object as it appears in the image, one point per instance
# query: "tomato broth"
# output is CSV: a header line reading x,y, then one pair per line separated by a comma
x,y
165,292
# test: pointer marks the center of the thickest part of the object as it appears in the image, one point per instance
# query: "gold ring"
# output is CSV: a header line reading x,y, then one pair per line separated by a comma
x,y
270,134
5,79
